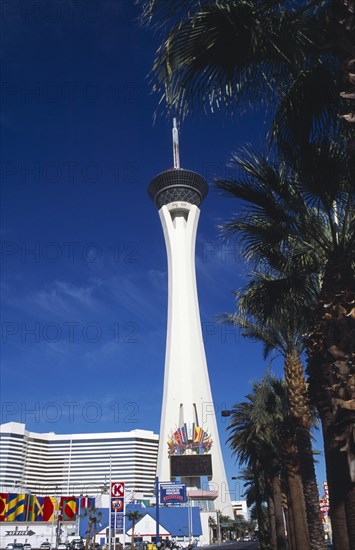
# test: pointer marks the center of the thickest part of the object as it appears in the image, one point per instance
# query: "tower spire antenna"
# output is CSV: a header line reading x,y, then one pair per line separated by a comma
x,y
176,151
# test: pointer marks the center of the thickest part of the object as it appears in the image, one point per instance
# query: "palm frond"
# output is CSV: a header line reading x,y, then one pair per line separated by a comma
x,y
159,14
229,54
308,108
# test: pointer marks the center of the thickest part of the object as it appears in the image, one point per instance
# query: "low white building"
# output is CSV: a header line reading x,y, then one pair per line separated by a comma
x,y
240,508
35,533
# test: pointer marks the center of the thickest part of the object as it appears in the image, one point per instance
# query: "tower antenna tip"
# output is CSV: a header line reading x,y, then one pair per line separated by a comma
x,y
176,152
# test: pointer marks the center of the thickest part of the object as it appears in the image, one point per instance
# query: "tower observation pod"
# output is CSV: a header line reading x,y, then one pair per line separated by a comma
x,y
189,447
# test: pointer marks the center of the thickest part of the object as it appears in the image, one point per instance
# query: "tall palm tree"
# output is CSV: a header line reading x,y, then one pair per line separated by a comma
x,y
134,516
227,54
284,334
94,517
303,221
255,494
254,440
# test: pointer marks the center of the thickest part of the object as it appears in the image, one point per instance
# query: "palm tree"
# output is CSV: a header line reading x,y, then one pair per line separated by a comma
x,y
239,525
212,51
254,515
228,55
254,440
256,494
94,516
302,222
284,334
212,528
226,526
134,516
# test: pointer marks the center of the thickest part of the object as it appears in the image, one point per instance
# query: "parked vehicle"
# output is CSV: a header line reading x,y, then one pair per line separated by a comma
x,y
10,546
45,546
27,546
77,544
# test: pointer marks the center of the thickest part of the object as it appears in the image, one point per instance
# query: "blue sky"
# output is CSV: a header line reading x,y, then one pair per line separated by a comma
x,y
84,275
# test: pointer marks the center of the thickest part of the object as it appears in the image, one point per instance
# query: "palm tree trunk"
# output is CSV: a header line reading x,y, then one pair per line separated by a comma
x,y
88,533
279,520
337,476
290,525
338,483
132,539
272,522
297,506
294,487
264,537
290,530
331,352
299,406
94,536
350,519
310,489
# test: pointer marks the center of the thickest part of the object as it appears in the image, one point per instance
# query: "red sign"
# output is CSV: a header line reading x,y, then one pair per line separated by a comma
x,y
117,504
324,505
117,489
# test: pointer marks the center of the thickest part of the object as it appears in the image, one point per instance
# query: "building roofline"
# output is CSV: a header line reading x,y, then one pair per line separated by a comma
x,y
20,428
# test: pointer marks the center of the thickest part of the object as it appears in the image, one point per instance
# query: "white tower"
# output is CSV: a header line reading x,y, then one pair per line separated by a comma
x,y
189,447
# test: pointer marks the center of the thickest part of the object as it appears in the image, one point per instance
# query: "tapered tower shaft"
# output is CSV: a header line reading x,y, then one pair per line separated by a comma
x,y
188,426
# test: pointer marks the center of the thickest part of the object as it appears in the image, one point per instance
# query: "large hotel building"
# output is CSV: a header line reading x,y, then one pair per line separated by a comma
x,y
50,463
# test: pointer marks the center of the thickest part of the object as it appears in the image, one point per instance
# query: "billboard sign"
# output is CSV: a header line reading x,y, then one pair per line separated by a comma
x,y
190,465
172,493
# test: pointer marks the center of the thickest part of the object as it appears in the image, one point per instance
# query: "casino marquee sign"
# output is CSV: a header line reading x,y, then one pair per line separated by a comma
x,y
189,437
